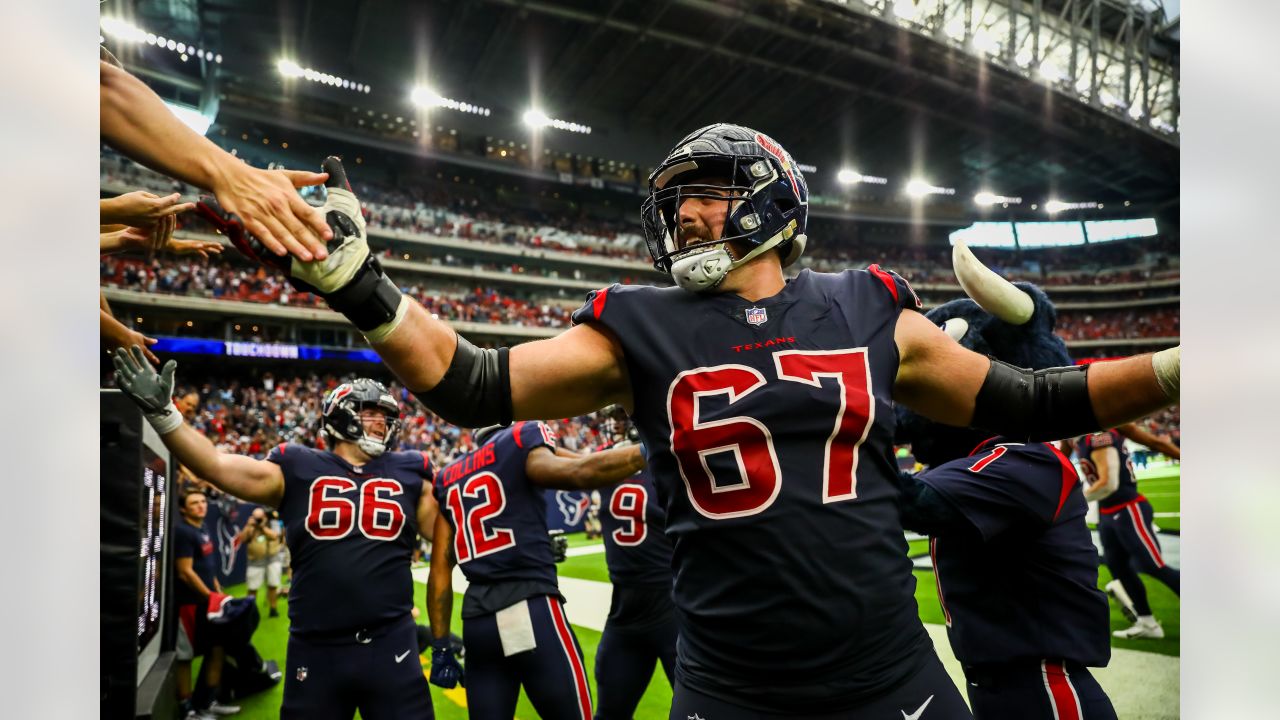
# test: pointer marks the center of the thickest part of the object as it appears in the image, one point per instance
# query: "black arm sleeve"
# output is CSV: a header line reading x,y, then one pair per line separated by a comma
x,y
927,512
1035,406
476,389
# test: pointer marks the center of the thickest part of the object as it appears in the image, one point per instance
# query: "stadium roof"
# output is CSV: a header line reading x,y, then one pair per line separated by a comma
x,y
837,88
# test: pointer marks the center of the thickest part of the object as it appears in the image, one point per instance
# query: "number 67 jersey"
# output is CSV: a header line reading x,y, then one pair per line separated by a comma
x,y
769,427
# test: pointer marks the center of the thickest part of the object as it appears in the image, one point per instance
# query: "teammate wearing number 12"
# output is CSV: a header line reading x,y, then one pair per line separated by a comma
x,y
766,406
351,517
494,526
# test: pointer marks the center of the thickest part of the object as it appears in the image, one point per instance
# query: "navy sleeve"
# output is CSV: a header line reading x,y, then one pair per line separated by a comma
x,y
530,435
1005,486
903,296
595,306
927,511
277,455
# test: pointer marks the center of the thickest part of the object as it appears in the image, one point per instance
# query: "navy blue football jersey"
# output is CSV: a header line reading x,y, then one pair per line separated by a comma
x,y
499,517
1127,490
1025,586
351,532
769,427
636,547
193,542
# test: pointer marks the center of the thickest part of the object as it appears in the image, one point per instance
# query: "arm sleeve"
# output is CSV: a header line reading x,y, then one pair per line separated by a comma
x,y
903,296
1000,490
531,435
926,511
594,307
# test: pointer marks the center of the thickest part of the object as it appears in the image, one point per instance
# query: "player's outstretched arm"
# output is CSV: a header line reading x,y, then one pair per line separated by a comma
x,y
950,384
249,479
134,120
446,672
1142,437
583,472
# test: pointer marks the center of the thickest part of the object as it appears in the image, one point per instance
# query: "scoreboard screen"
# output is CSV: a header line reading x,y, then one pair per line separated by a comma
x,y
152,522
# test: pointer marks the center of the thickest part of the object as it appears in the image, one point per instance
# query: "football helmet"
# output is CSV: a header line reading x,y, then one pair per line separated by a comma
x,y
767,196
340,414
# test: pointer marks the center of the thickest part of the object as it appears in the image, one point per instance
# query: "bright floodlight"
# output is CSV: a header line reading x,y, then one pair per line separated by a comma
x,y
984,41
918,188
289,68
535,118
905,9
122,30
1050,71
1054,207
954,30
985,198
848,177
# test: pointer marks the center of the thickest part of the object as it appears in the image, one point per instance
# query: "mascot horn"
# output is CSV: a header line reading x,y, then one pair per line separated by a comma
x,y
1008,321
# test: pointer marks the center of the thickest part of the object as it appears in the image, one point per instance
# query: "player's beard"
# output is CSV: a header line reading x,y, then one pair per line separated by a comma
x,y
693,234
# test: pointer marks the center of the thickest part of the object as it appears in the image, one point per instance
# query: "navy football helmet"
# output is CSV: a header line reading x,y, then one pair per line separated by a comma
x,y
767,196
340,414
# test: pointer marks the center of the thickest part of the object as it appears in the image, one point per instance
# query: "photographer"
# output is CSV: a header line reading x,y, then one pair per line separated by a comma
x,y
264,540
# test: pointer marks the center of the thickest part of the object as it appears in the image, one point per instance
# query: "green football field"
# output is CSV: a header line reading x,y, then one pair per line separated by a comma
x,y
1160,485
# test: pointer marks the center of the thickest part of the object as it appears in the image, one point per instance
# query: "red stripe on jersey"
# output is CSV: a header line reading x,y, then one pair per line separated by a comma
x,y
886,279
995,455
937,579
515,431
1069,477
281,448
1140,527
597,303
571,652
1062,694
979,447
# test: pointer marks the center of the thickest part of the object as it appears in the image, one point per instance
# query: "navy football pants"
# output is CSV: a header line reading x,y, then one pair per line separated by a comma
x,y
1048,690
624,666
553,674
928,695
382,677
1130,546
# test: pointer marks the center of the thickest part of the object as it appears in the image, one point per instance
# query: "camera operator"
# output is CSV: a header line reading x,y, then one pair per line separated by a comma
x,y
264,541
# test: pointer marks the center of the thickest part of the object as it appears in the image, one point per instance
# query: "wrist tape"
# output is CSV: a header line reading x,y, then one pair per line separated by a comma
x,y
165,420
1167,365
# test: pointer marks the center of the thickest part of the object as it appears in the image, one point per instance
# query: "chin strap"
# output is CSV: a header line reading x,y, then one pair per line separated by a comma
x,y
704,267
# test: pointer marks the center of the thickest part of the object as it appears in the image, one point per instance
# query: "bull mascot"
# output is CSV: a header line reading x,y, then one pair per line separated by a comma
x,y
1016,569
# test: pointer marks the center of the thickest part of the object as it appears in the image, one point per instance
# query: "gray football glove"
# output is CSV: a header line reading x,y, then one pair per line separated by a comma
x,y
149,390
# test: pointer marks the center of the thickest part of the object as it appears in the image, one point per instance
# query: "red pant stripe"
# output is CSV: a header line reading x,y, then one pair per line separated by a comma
x,y
571,652
1062,695
1149,542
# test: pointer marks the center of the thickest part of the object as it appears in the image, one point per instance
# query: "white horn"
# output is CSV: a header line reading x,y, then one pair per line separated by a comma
x,y
992,292
956,328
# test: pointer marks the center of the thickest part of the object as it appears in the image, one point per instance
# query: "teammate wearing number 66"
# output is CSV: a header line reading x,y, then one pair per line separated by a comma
x,y
351,517
767,407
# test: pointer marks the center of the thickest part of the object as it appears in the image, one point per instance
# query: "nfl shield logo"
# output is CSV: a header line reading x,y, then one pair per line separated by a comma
x,y
757,316
302,674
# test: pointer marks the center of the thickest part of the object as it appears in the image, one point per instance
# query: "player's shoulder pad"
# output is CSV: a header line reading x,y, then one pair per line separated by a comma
x,y
897,286
413,461
279,452
605,305
533,434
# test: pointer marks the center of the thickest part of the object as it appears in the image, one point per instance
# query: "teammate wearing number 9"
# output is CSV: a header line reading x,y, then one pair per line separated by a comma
x,y
494,526
766,406
351,517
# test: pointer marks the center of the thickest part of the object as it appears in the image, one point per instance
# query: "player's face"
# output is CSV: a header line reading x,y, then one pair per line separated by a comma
x,y
374,422
197,506
701,219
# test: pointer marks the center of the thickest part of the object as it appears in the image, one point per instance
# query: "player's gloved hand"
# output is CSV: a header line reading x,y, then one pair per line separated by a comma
x,y
149,390
446,671
217,601
350,279
559,547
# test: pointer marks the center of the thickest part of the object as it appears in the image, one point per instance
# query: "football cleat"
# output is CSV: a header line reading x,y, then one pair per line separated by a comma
x,y
1116,590
1143,628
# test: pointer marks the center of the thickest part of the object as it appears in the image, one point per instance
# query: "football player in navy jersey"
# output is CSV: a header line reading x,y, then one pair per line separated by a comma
x,y
641,629
350,517
1125,526
1015,566
766,406
494,526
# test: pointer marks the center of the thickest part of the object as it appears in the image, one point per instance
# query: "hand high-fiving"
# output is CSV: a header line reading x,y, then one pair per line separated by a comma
x,y
141,209
149,390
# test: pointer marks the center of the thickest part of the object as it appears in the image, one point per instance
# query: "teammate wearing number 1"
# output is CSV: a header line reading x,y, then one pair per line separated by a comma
x,y
351,516
494,526
766,405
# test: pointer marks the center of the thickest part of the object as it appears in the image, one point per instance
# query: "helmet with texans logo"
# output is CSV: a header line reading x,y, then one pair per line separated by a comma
x,y
340,414
768,203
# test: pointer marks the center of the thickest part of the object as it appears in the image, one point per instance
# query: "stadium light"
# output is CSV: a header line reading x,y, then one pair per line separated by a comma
x,y
955,30
426,98
905,9
1053,207
291,69
989,198
538,119
984,41
918,188
125,31
852,177
1050,71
